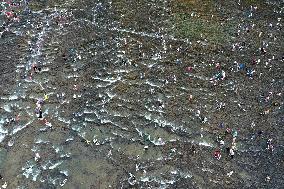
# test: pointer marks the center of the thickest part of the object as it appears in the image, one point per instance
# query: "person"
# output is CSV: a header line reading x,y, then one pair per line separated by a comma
x,y
253,61
178,61
193,149
262,50
11,120
269,145
38,105
234,141
232,153
217,154
189,68
250,72
220,140
228,131
220,75
260,132
37,110
242,66
40,113
64,56
218,66
190,97
234,133
267,179
45,97
34,66
5,185
17,117
40,101
223,74
36,69
9,14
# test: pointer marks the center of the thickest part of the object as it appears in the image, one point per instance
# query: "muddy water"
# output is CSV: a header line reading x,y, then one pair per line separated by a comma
x,y
137,94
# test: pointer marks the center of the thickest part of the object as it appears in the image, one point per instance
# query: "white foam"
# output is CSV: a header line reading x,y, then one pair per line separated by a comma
x,y
152,84
18,128
205,144
3,131
121,71
89,111
144,179
13,97
7,108
110,95
31,170
46,69
64,120
151,35
20,66
69,139
158,142
55,165
41,141
65,155
174,172
65,172
2,136
73,76
63,182
90,119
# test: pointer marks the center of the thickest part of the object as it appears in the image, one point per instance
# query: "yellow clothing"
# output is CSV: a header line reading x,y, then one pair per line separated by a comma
x,y
45,97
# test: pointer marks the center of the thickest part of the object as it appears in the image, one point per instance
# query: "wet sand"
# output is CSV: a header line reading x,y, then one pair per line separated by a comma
x,y
133,102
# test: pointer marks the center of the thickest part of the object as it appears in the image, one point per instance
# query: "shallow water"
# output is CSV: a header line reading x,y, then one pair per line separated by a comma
x,y
133,95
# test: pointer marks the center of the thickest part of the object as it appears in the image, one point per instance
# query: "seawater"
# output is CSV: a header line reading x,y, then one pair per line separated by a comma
x,y
134,94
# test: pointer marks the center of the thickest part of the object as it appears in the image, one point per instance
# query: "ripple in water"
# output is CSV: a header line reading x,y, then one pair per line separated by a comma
x,y
139,94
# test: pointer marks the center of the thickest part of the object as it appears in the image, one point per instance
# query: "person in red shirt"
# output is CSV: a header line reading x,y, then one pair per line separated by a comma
x,y
217,154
